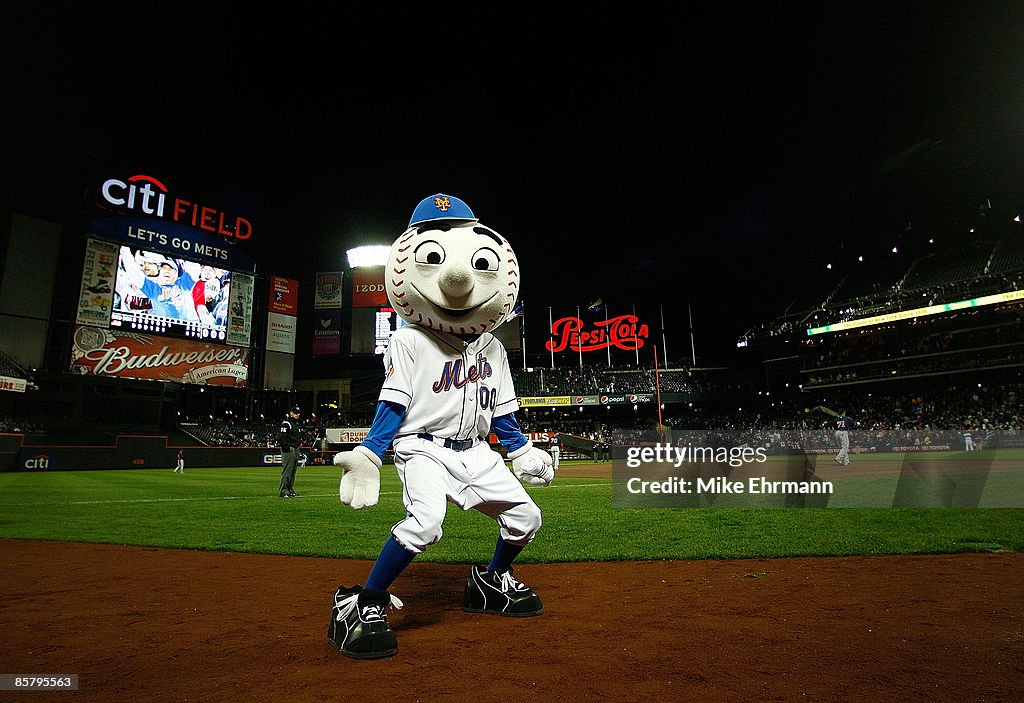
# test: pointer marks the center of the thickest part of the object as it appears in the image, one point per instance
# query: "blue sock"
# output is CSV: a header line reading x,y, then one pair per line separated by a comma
x,y
504,554
392,561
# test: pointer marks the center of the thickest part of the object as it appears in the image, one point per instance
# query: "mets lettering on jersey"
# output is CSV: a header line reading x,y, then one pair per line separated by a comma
x,y
452,374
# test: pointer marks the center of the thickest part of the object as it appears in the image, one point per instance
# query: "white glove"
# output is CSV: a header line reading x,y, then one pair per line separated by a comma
x,y
532,466
360,477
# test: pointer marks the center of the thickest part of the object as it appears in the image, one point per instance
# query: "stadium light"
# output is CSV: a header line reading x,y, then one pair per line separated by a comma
x,y
860,258
1017,218
828,266
368,256
895,250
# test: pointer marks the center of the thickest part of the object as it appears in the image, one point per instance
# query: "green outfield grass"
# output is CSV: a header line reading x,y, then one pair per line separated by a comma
x,y
237,509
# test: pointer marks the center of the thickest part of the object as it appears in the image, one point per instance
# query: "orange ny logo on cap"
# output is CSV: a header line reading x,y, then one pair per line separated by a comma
x,y
443,204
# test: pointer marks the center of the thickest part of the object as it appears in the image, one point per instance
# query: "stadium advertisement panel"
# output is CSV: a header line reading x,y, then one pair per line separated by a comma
x,y
10,383
328,290
346,435
144,194
546,401
97,288
115,354
281,333
174,239
327,333
995,299
368,288
625,332
239,322
284,295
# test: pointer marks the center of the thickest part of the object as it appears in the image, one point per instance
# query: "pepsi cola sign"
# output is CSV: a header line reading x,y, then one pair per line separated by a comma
x,y
624,332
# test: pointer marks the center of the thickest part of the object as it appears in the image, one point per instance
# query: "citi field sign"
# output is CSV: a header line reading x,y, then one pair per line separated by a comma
x,y
625,332
146,196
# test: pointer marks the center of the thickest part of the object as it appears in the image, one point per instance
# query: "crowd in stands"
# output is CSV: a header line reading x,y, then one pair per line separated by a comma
x,y
247,433
938,418
20,425
10,368
929,280
602,380
946,410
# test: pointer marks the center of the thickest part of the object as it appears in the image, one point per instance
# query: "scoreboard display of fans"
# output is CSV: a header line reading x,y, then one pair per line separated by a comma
x,y
158,294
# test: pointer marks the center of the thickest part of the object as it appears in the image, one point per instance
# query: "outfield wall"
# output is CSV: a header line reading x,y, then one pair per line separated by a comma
x,y
134,452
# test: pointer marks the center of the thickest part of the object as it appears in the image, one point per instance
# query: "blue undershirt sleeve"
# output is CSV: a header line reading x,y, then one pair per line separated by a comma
x,y
385,426
508,432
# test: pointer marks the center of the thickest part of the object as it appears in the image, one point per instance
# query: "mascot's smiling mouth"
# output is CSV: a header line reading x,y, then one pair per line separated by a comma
x,y
451,312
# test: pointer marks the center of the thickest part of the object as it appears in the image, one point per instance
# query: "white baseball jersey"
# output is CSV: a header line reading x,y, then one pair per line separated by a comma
x,y
450,389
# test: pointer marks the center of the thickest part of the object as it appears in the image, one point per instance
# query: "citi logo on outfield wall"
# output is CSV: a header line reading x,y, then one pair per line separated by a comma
x,y
37,463
145,195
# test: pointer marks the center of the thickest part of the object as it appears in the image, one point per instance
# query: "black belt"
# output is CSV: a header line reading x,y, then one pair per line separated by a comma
x,y
459,445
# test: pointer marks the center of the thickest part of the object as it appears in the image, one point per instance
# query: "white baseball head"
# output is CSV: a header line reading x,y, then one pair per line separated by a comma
x,y
449,272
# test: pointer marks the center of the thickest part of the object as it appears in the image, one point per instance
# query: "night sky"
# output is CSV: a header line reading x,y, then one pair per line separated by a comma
x,y
712,155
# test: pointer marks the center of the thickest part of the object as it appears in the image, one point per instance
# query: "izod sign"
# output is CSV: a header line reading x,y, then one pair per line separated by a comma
x,y
146,196
624,332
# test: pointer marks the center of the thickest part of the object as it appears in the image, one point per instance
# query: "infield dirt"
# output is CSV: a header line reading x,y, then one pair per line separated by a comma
x,y
148,624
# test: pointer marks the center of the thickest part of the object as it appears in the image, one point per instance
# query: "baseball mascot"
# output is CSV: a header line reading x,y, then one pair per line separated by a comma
x,y
447,386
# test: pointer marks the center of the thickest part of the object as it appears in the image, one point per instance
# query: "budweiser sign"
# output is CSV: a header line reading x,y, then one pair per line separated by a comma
x,y
624,332
102,352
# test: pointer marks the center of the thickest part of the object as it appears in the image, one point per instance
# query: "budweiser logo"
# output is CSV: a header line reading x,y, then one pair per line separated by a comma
x,y
114,360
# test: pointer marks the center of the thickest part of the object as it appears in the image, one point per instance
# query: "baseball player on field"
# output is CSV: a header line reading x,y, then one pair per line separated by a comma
x,y
447,385
555,449
843,424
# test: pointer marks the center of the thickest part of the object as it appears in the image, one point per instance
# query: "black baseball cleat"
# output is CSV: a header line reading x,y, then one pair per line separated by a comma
x,y
499,594
359,623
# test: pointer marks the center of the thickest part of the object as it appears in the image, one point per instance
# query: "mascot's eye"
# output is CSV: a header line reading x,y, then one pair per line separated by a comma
x,y
429,252
485,260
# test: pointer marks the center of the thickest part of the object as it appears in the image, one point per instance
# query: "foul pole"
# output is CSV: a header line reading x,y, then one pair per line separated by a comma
x,y
657,389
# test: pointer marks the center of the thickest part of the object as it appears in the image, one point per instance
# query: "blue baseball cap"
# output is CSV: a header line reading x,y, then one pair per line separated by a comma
x,y
441,207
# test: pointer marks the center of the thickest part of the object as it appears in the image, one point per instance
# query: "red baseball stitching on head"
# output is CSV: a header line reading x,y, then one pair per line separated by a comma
x,y
400,295
402,260
397,283
420,317
462,330
399,270
404,248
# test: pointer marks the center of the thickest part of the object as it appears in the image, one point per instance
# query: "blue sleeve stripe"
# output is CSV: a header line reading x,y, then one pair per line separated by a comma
x,y
507,430
385,426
